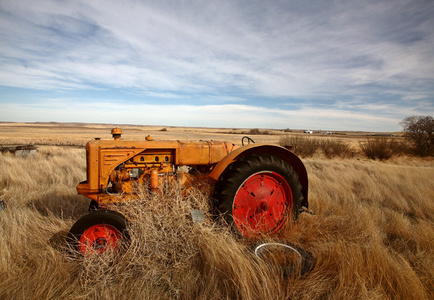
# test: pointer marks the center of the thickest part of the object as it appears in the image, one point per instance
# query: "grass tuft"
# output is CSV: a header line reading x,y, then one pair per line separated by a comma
x,y
308,147
302,146
383,148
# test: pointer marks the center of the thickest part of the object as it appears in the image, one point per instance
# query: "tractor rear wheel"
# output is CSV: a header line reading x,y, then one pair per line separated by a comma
x,y
258,194
98,232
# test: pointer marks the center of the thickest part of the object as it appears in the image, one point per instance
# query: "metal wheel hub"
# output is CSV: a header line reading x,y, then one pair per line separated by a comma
x,y
261,203
99,238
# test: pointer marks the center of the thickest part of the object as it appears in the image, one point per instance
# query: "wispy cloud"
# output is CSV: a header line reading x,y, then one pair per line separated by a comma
x,y
370,59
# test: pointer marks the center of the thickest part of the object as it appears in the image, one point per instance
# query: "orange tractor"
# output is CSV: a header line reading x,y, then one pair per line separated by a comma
x,y
257,188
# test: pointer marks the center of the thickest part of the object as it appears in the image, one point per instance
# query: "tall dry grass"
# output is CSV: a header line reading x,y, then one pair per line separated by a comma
x,y
308,147
372,237
383,148
373,232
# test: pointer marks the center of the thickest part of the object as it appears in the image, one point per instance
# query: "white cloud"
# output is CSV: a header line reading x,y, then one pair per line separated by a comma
x,y
342,57
227,115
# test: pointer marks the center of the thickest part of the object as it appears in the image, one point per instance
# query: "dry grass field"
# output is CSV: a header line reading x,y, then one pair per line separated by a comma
x,y
372,235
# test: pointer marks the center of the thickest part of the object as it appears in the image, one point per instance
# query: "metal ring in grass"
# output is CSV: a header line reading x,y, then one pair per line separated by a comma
x,y
289,258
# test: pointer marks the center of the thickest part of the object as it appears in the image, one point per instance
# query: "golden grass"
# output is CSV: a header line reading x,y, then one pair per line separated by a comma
x,y
372,237
373,233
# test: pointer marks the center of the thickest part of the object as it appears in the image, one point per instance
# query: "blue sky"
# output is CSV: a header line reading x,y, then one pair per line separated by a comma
x,y
331,65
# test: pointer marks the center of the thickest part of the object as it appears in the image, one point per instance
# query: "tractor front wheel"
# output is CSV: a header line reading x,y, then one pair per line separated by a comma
x,y
98,232
258,194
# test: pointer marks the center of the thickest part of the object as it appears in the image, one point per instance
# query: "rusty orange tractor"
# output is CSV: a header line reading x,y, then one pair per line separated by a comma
x,y
257,188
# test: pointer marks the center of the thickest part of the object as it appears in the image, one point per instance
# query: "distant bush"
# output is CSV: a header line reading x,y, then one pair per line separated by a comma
x,y
307,147
163,129
302,146
287,130
382,148
256,131
333,147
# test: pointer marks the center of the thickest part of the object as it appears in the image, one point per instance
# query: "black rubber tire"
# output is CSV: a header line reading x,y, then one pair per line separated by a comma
x,y
97,217
237,173
93,205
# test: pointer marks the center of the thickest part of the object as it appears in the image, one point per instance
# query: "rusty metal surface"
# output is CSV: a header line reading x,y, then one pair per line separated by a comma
x,y
109,161
110,164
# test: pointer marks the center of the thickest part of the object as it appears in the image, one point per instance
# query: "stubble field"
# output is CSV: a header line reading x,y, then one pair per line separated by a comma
x,y
372,235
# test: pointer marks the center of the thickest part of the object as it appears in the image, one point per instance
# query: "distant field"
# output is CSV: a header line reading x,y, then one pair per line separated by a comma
x,y
80,134
372,233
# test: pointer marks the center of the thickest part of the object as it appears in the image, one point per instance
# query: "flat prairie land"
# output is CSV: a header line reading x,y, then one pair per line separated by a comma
x,y
79,133
371,235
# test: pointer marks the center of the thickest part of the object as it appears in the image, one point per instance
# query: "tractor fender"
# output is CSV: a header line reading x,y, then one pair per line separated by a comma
x,y
293,160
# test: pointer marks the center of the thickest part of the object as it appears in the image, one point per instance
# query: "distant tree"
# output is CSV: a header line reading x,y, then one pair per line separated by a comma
x,y
419,131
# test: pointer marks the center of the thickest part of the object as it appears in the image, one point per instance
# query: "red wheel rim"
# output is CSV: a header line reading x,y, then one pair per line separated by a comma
x,y
98,239
262,203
